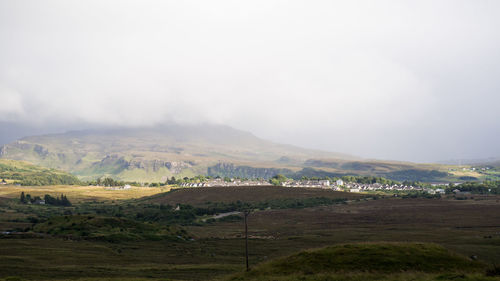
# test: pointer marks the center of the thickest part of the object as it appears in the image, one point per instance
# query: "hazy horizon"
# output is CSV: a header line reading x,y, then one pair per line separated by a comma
x,y
395,80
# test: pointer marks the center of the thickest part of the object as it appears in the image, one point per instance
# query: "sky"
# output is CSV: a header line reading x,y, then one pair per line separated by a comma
x,y
396,80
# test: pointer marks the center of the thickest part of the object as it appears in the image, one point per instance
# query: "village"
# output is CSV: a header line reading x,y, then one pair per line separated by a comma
x,y
217,182
338,185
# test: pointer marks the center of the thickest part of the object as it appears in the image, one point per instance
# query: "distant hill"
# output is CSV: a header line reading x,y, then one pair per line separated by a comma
x,y
28,174
156,153
491,161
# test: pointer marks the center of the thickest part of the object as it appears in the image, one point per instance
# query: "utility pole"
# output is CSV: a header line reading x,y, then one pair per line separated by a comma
x,y
246,213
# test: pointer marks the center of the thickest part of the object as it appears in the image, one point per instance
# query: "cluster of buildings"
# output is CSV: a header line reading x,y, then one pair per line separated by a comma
x,y
127,186
311,183
338,185
470,169
221,182
358,187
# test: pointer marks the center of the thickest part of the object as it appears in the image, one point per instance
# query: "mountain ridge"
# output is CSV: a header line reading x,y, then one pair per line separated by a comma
x,y
168,149
155,153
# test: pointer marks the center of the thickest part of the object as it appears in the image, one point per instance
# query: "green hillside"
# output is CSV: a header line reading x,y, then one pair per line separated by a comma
x,y
102,228
157,153
25,173
370,261
153,153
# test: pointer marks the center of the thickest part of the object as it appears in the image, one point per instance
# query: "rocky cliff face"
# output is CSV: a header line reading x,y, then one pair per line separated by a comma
x,y
40,150
155,165
230,170
120,163
77,161
151,153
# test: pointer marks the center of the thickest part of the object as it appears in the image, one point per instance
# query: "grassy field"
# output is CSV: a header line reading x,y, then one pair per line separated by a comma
x,y
216,249
200,196
365,261
28,174
82,193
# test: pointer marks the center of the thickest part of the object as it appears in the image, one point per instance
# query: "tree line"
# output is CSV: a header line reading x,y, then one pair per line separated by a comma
x,y
492,187
278,179
48,199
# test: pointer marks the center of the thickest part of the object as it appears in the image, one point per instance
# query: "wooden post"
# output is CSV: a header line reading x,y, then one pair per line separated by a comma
x,y
246,238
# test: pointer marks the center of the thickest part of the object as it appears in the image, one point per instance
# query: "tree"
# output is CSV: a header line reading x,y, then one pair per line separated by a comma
x,y
22,198
172,180
109,182
278,179
49,199
57,201
65,201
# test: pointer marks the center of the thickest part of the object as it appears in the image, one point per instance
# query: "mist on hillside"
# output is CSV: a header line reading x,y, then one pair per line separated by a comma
x,y
414,81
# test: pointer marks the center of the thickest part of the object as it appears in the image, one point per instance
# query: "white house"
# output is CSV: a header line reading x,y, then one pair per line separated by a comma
x,y
339,182
324,182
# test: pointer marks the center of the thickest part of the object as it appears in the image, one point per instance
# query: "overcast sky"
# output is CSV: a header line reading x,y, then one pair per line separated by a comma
x,y
407,80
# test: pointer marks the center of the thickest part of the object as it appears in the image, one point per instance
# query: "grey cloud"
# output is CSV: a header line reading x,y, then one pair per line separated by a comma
x,y
384,79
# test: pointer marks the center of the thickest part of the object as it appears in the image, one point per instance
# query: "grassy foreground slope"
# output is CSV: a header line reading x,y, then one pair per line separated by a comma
x,y
370,261
28,174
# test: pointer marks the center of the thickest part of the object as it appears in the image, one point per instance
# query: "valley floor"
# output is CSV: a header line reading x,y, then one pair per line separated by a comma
x,y
468,227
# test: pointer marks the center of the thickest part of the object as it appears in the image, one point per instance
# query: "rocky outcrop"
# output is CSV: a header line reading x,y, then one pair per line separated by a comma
x,y
320,163
230,170
40,150
120,163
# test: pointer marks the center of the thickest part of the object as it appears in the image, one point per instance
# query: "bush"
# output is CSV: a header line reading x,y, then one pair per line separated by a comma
x,y
494,271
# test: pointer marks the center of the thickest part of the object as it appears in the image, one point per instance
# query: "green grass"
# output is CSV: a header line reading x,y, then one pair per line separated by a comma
x,y
467,227
28,174
160,175
109,229
410,276
358,261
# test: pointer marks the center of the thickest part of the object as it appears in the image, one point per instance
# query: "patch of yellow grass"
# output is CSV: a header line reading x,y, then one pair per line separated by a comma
x,y
466,173
82,193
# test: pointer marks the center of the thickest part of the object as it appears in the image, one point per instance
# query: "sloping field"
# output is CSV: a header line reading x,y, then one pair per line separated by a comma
x,y
367,258
202,195
29,174
80,193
